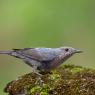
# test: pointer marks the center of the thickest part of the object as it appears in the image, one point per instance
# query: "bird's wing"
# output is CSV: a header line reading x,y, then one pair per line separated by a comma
x,y
37,54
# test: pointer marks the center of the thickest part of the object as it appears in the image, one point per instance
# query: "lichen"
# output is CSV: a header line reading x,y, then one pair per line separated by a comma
x,y
66,80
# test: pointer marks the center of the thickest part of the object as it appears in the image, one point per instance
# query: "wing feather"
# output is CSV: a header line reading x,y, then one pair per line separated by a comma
x,y
36,54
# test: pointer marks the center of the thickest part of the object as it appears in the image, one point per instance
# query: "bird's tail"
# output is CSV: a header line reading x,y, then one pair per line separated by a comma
x,y
5,52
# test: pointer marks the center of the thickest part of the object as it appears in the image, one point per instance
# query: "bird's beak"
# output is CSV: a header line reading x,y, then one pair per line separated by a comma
x,y
78,51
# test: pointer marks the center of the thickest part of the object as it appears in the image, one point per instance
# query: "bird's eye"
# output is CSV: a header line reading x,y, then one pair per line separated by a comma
x,y
66,49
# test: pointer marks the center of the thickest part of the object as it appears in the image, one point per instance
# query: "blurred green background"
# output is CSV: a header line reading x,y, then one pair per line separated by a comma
x,y
45,23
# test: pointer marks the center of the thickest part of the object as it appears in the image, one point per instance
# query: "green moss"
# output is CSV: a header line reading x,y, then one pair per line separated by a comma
x,y
66,80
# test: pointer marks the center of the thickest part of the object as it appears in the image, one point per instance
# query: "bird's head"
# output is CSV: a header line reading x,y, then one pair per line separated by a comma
x,y
68,51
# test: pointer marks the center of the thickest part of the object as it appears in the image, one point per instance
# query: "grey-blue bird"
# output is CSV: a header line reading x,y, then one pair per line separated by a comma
x,y
43,60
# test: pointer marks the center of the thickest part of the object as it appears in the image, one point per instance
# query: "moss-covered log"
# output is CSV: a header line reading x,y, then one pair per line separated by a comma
x,y
66,80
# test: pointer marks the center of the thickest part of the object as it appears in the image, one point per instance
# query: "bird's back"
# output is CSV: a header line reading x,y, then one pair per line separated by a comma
x,y
40,54
48,53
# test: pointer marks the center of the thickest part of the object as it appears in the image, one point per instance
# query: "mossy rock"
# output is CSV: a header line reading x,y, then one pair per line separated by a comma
x,y
66,80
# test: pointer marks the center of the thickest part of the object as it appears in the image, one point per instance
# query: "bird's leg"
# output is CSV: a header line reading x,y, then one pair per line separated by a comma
x,y
39,81
36,72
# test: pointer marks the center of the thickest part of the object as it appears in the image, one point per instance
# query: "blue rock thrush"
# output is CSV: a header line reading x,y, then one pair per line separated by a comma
x,y
43,60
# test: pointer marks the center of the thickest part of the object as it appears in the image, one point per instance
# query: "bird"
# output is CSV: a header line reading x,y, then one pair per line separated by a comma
x,y
43,60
